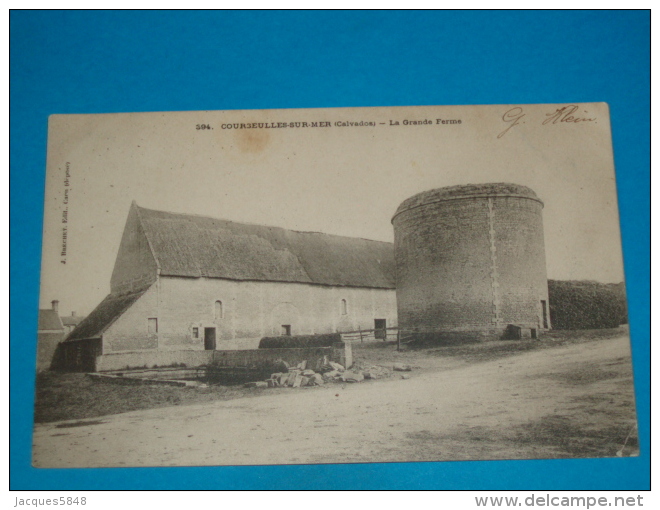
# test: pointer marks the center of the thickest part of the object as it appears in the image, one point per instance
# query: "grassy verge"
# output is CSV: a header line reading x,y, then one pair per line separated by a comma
x,y
74,396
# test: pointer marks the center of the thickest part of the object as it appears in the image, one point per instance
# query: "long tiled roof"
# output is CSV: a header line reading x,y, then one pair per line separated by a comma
x,y
197,246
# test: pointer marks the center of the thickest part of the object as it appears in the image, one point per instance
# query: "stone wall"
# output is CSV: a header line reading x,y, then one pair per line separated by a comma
x,y
242,313
227,359
130,331
443,266
521,269
151,359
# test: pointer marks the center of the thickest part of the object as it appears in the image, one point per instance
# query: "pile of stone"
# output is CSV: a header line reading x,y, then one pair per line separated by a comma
x,y
329,372
300,376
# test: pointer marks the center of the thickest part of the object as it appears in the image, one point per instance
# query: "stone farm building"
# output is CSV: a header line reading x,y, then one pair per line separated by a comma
x,y
184,282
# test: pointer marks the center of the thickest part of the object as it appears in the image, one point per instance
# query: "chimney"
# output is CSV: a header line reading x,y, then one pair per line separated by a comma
x,y
73,314
55,304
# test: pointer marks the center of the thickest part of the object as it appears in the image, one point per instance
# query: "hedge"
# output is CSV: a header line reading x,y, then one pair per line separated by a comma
x,y
299,341
586,304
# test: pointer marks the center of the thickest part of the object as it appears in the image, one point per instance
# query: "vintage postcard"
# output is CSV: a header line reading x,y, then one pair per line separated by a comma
x,y
332,286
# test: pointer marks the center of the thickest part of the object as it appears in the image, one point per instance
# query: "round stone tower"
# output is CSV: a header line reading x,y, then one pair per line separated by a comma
x,y
470,261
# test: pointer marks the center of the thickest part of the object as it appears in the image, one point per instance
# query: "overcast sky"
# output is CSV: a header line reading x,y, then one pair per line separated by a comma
x,y
342,180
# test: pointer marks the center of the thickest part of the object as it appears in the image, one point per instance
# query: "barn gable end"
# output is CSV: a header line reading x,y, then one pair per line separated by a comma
x,y
135,266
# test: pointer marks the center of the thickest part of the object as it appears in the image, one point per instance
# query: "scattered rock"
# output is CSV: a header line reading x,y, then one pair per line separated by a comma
x,y
376,372
308,372
291,379
405,376
331,375
336,366
350,376
318,379
400,367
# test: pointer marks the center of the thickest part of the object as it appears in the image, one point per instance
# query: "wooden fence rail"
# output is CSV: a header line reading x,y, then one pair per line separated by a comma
x,y
368,334
402,336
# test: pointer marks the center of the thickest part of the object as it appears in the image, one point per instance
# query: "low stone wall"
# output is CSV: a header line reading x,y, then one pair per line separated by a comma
x,y
340,353
238,344
266,357
151,359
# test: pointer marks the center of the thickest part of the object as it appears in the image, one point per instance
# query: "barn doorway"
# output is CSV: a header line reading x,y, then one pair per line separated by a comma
x,y
544,309
209,339
380,329
286,329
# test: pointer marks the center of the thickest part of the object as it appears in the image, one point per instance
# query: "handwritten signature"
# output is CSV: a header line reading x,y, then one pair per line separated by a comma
x,y
514,116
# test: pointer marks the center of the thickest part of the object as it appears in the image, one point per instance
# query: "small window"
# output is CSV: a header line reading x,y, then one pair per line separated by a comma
x,y
195,332
219,310
286,329
344,308
152,326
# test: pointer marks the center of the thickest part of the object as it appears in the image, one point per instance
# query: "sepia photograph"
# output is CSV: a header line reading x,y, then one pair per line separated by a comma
x,y
332,286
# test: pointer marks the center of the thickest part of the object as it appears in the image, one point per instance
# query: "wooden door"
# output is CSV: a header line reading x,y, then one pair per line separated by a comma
x,y
380,327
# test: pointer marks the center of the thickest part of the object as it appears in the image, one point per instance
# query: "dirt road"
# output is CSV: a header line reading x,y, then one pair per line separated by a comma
x,y
573,401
